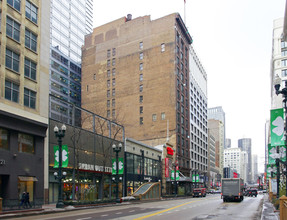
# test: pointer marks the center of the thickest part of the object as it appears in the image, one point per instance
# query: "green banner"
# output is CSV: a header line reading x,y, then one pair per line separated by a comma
x,y
272,153
172,175
120,164
271,168
195,178
65,156
277,127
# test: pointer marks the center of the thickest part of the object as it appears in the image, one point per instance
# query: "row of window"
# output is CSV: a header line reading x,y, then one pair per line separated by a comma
x,y
12,94
31,11
25,141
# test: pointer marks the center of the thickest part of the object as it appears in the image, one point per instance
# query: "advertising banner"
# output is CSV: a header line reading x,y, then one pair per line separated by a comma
x,y
272,153
65,156
271,168
166,168
120,164
277,127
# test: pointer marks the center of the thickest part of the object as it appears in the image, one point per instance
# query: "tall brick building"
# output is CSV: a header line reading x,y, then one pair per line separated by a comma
x,y
136,71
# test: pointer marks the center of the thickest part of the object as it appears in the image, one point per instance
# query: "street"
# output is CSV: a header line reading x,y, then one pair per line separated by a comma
x,y
210,207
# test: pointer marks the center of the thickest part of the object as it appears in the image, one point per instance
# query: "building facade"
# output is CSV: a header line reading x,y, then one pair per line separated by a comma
x,y
137,71
245,145
23,100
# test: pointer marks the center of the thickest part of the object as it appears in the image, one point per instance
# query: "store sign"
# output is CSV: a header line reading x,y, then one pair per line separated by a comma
x,y
166,167
169,151
84,166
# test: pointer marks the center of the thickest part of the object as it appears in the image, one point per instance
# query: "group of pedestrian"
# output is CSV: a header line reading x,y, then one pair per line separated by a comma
x,y
25,200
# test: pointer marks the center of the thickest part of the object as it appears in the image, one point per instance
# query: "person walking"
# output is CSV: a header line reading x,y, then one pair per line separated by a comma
x,y
27,200
23,200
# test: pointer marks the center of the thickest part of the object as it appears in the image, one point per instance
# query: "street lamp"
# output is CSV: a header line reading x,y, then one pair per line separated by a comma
x,y
277,84
60,133
117,149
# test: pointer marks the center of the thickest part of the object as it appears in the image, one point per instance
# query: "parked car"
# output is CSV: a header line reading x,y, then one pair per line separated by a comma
x,y
199,192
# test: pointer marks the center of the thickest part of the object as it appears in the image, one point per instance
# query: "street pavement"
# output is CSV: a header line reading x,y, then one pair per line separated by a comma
x,y
268,211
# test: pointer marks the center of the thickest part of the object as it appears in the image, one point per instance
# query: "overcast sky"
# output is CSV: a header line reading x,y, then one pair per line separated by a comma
x,y
233,39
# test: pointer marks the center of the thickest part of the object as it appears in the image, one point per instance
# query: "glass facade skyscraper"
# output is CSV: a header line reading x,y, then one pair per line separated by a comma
x,y
70,21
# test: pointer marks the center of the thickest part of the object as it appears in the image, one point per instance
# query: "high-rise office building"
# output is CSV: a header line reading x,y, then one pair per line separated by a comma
x,y
70,21
23,100
245,145
227,143
137,72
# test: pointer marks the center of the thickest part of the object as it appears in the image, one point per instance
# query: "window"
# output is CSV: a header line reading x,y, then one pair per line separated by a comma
x,y
31,12
108,73
141,45
141,66
11,91
108,63
114,62
108,83
154,117
108,93
141,88
114,113
162,116
283,62
114,71
141,77
108,103
113,92
29,98
30,69
114,51
12,60
13,29
108,113
113,103
108,53
95,76
141,55
4,139
162,47
30,40
15,4
141,99
141,120
141,109
26,143
114,82
284,73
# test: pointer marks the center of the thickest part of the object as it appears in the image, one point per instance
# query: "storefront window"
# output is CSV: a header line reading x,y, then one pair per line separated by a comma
x,y
4,139
26,184
26,143
129,162
137,164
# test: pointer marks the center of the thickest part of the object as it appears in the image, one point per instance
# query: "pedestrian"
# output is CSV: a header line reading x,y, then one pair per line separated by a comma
x,y
27,200
23,200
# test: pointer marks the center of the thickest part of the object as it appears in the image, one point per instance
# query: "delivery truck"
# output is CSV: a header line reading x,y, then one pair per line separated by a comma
x,y
232,189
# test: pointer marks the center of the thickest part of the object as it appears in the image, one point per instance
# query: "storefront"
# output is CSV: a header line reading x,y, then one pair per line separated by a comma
x,y
142,164
21,160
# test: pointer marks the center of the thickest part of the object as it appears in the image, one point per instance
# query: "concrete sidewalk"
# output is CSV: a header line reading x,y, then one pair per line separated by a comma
x,y
268,210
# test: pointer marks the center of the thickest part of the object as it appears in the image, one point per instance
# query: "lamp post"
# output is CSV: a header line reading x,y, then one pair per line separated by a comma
x,y
60,133
175,182
117,149
277,84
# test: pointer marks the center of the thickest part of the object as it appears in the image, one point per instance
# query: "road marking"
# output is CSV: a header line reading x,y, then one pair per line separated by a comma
x,y
104,215
166,210
83,218
119,213
132,211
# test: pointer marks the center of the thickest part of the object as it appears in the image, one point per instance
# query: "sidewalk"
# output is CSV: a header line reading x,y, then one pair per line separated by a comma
x,y
268,210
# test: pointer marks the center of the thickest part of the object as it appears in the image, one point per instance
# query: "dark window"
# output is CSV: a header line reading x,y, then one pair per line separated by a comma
x,y
30,69
26,143
12,60
13,29
141,120
31,12
30,40
15,4
4,139
11,91
29,98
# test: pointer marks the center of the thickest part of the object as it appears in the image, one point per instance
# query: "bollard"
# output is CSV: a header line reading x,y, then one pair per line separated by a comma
x,y
283,208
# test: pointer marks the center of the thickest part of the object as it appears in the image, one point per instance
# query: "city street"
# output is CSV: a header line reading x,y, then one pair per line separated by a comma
x,y
210,207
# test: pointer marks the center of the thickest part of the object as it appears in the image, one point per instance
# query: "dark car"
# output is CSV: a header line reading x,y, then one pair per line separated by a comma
x,y
199,192
252,192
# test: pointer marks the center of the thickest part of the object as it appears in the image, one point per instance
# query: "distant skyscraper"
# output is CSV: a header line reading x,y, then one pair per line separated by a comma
x,y
245,145
227,143
255,168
